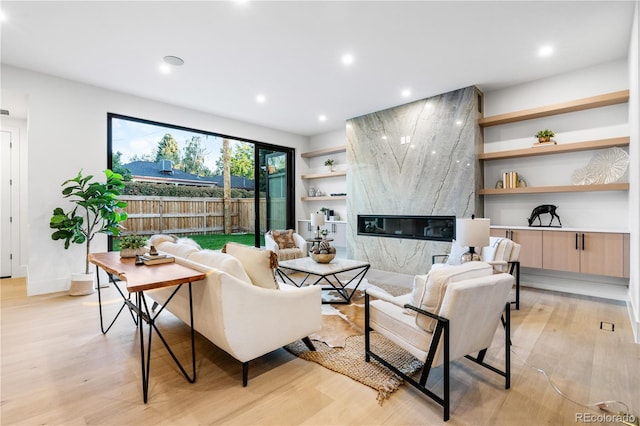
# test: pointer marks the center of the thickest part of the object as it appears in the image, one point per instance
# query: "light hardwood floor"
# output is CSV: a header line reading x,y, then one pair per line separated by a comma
x,y
58,369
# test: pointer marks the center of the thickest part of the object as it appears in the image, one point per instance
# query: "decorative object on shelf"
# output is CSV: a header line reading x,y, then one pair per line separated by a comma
x,y
472,233
500,184
329,163
317,220
607,166
544,136
509,180
132,245
323,252
521,182
312,192
544,209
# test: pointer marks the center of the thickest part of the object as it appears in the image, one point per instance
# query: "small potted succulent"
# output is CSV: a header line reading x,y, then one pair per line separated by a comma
x,y
544,135
329,164
132,245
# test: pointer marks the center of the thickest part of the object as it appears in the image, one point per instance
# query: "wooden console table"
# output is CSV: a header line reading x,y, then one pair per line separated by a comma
x,y
138,279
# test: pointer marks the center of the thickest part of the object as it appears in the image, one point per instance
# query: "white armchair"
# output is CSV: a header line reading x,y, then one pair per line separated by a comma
x,y
453,312
286,244
501,253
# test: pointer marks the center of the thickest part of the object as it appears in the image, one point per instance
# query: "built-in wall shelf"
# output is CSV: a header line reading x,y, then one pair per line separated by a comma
x,y
325,198
556,149
561,188
324,175
560,108
328,151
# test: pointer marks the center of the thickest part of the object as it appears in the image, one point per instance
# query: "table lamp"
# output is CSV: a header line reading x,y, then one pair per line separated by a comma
x,y
472,233
317,220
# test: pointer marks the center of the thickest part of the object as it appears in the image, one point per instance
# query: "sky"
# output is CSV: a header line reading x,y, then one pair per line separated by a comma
x,y
132,137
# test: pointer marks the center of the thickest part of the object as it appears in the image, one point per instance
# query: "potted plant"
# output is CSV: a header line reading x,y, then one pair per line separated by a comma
x,y
329,163
545,135
96,209
132,245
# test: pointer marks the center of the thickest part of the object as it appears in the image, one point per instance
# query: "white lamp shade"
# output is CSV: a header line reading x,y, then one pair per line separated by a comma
x,y
317,219
472,232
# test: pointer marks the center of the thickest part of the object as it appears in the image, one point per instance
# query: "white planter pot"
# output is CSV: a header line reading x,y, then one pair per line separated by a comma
x,y
131,252
82,284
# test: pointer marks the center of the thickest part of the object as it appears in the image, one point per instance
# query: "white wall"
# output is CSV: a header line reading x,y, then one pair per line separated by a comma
x,y
589,210
617,210
634,191
67,131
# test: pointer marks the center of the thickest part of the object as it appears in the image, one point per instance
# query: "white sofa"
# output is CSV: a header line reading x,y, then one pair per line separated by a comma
x,y
234,308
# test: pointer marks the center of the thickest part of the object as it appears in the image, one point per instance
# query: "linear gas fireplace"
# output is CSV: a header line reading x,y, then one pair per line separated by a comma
x,y
436,228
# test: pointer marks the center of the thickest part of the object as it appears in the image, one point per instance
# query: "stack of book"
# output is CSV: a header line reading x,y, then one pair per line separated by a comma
x,y
510,180
155,259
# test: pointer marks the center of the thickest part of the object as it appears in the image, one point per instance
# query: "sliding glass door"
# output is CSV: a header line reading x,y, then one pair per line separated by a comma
x,y
275,200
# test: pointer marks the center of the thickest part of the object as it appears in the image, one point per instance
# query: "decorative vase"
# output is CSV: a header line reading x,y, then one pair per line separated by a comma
x,y
544,139
330,167
82,284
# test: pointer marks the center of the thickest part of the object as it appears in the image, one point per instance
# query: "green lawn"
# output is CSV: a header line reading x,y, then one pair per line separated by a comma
x,y
213,241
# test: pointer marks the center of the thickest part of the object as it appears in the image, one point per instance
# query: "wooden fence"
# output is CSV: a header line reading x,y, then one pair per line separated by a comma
x,y
150,215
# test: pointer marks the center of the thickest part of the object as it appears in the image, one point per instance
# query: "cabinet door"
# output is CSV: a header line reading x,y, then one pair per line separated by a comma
x,y
304,229
602,254
530,245
339,234
560,251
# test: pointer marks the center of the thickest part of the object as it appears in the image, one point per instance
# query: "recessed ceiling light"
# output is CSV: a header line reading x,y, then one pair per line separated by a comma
x,y
260,98
405,93
322,117
347,59
545,50
173,60
459,122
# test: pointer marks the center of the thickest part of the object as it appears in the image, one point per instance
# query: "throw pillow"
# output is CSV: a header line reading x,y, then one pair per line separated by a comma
x,y
419,284
258,264
222,261
436,286
456,252
284,239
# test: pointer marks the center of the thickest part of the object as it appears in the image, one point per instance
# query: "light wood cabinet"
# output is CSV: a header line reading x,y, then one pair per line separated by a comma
x,y
530,245
598,253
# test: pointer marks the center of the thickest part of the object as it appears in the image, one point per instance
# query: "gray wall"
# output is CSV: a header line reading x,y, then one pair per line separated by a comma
x,y
414,159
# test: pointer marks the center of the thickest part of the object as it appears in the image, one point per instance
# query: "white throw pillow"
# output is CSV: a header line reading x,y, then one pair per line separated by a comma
x,y
221,261
436,286
258,264
456,252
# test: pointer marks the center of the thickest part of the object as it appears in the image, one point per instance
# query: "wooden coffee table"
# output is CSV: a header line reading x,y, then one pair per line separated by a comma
x,y
326,274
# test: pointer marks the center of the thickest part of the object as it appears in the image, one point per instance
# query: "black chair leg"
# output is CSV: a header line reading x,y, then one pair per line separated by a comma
x,y
245,374
308,343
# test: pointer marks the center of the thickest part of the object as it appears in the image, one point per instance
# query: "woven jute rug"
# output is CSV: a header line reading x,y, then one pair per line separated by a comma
x,y
340,347
350,362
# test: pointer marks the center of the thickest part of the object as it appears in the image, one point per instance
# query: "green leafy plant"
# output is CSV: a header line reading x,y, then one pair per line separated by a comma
x,y
132,242
545,134
97,210
329,162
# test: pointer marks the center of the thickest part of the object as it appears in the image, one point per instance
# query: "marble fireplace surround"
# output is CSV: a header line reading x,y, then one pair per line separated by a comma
x,y
417,159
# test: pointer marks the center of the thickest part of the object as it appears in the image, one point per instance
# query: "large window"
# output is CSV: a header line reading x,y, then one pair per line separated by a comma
x,y
210,187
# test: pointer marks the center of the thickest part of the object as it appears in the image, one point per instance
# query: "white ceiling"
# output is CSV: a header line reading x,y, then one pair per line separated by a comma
x,y
291,51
